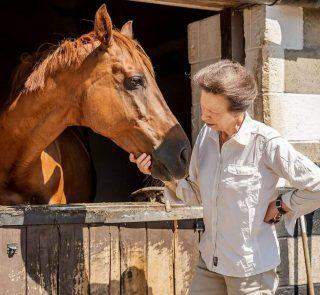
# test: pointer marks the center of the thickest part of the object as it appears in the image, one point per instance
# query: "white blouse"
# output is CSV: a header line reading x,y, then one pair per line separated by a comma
x,y
235,187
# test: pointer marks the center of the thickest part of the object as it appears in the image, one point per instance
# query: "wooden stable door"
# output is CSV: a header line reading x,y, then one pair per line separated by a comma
x,y
204,48
105,248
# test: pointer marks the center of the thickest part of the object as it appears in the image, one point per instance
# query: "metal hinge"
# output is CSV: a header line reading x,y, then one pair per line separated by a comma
x,y
12,249
199,225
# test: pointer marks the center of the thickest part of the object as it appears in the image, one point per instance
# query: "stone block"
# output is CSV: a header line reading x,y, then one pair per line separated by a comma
x,y
272,68
292,270
310,149
302,70
284,26
311,28
295,116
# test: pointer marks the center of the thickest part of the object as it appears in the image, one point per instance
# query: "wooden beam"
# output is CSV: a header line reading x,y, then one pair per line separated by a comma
x,y
198,4
95,213
216,5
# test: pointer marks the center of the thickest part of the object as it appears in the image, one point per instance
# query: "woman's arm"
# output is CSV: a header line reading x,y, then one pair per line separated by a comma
x,y
303,175
186,190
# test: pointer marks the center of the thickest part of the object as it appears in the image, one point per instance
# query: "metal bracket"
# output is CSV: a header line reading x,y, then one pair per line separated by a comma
x,y
199,225
12,248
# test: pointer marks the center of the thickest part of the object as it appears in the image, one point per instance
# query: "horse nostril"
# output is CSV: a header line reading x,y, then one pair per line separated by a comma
x,y
184,156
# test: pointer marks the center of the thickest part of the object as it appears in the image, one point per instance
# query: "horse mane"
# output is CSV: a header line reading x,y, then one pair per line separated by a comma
x,y
34,69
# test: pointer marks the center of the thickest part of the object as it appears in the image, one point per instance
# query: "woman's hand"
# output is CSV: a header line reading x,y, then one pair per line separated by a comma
x,y
143,162
272,214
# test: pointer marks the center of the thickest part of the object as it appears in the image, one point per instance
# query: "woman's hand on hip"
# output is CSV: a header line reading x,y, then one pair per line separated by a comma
x,y
272,214
143,162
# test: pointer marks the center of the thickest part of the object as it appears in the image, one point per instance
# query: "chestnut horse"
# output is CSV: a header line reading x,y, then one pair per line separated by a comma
x,y
102,80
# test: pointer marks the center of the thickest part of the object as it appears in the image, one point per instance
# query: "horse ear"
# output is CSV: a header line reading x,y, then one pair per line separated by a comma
x,y
127,29
103,25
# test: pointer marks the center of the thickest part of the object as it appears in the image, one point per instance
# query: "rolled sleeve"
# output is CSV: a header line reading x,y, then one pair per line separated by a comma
x,y
303,175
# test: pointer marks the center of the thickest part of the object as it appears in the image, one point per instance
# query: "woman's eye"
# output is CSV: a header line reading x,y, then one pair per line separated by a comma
x,y
134,82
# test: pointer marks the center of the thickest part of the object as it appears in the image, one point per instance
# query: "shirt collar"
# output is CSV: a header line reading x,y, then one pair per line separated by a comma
x,y
242,136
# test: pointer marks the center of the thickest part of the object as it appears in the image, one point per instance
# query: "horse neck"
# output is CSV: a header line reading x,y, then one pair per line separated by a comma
x,y
27,127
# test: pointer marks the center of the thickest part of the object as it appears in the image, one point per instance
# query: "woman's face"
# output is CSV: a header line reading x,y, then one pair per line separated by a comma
x,y
215,111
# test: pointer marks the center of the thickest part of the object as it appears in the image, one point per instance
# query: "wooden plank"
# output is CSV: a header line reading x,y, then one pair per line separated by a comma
x,y
133,259
198,4
210,39
186,256
160,258
42,259
100,251
12,270
73,260
115,271
103,213
193,42
216,5
104,260
204,48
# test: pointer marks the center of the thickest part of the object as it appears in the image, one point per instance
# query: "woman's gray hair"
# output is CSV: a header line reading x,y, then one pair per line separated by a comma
x,y
230,79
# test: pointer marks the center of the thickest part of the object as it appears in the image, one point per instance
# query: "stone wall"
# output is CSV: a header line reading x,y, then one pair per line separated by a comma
x,y
282,48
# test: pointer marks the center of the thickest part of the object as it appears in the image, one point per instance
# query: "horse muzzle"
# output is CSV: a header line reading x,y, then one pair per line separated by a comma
x,y
172,158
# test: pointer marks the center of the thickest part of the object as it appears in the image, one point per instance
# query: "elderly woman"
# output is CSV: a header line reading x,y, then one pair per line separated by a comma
x,y
235,167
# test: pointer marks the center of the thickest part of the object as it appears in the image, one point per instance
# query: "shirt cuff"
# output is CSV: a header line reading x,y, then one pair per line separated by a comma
x,y
287,197
290,218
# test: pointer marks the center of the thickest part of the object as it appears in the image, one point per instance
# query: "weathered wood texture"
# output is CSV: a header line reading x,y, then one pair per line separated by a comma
x,y
205,5
213,5
160,258
186,255
12,267
204,48
104,213
154,257
42,255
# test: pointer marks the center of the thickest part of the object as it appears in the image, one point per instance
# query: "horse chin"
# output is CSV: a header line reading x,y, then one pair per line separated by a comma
x,y
161,172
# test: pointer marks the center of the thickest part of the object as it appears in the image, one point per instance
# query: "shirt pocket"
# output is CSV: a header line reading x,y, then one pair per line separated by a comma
x,y
242,182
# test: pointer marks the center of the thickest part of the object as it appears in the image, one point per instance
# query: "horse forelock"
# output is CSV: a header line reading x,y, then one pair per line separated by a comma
x,y
34,69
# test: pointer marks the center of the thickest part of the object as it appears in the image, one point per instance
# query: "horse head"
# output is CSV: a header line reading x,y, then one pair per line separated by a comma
x,y
118,97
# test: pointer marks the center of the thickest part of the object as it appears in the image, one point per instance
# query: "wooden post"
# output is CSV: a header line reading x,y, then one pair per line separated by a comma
x,y
306,254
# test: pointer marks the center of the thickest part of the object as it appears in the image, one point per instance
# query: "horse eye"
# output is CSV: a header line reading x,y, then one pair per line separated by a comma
x,y
134,82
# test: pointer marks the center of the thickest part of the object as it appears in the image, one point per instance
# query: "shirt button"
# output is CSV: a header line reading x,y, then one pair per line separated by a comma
x,y
215,261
